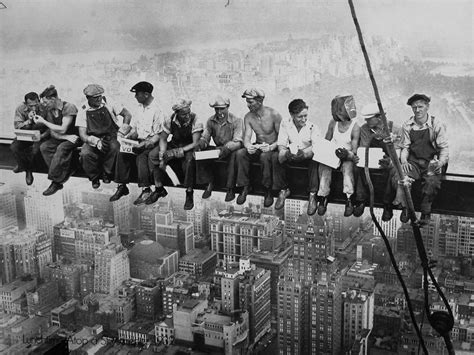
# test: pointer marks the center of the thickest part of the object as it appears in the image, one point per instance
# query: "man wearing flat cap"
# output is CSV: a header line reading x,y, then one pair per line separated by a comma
x,y
265,122
424,154
146,126
99,125
58,150
226,131
186,131
26,152
372,135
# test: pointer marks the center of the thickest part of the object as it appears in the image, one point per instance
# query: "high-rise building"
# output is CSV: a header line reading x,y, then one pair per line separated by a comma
x,y
391,227
8,213
275,262
324,328
254,297
68,278
199,262
290,317
25,252
43,213
236,234
173,234
117,212
313,247
358,314
230,290
43,299
149,300
82,239
293,210
111,268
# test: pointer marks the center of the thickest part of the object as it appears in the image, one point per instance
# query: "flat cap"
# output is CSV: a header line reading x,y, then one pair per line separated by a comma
x,y
181,104
370,110
93,90
50,91
417,97
220,101
253,93
142,86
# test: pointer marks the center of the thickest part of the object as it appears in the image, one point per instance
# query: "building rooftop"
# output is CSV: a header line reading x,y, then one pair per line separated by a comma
x,y
149,251
197,255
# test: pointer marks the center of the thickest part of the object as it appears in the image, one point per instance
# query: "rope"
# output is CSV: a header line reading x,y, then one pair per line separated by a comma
x,y
442,322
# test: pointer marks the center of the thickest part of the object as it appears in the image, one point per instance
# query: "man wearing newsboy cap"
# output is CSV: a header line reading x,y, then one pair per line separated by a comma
x,y
186,131
424,154
99,125
146,127
226,131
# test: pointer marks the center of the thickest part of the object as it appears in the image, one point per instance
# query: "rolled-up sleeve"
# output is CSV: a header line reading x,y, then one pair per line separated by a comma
x,y
167,124
197,125
238,130
81,119
406,141
158,119
283,139
442,142
206,135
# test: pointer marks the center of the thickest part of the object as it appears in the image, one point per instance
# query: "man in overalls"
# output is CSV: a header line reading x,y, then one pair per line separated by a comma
x,y
98,128
424,153
186,130
26,152
226,131
58,150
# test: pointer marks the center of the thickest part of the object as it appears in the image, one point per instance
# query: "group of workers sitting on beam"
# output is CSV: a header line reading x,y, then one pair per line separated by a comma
x,y
279,143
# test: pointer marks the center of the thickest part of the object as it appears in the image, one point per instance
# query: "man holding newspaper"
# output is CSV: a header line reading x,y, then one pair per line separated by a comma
x,y
137,145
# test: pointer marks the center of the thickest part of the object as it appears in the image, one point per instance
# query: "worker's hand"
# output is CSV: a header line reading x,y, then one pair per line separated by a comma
x,y
225,152
93,141
342,153
124,130
252,149
406,167
72,138
265,147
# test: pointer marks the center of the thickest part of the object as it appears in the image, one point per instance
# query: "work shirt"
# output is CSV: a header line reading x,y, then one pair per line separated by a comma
x,y
147,120
21,118
182,133
58,111
437,134
304,138
222,132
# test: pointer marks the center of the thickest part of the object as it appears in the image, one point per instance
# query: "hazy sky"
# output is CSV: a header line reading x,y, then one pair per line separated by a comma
x,y
69,26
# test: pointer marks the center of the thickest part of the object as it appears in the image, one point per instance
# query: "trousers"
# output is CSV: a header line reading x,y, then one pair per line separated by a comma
x,y
58,155
96,162
144,168
207,171
243,159
25,153
185,168
280,180
325,176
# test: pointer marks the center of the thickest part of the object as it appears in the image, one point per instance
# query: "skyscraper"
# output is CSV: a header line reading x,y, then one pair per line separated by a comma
x,y
8,213
254,296
235,234
173,234
43,213
358,314
111,268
